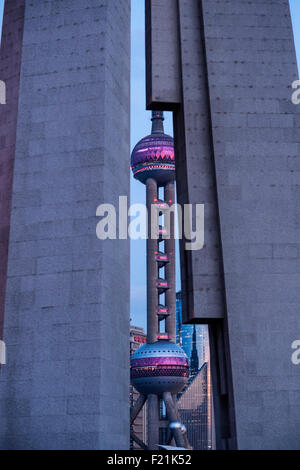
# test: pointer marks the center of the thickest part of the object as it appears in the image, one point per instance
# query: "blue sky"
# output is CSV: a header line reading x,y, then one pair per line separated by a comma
x,y
295,13
140,126
1,13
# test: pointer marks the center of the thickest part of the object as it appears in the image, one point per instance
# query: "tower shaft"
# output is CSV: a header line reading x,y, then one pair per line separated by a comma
x,y
170,267
154,291
152,323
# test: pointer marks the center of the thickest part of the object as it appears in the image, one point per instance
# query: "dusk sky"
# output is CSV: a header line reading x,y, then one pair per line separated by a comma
x,y
140,126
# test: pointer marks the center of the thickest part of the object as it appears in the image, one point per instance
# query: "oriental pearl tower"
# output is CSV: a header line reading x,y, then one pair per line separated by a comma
x,y
159,369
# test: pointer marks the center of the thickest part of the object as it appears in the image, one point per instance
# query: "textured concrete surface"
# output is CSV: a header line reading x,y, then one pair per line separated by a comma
x,y
237,136
251,65
162,54
66,382
10,65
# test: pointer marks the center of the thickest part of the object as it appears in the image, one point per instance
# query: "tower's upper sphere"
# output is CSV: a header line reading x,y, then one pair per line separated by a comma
x,y
153,156
159,367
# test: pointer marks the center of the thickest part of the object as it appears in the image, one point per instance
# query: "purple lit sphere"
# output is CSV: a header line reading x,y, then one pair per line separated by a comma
x,y
153,157
159,367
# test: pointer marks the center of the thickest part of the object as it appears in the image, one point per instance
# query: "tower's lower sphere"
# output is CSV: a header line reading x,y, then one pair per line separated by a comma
x,y
159,367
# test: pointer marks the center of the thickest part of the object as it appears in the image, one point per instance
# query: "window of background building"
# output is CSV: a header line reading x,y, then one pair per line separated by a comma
x,y
163,436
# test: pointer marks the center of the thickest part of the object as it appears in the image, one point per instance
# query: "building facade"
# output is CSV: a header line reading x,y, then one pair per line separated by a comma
x,y
195,409
64,151
226,70
185,332
195,402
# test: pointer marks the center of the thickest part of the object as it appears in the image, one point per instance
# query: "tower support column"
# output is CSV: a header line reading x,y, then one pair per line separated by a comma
x,y
153,422
172,417
152,321
152,297
169,196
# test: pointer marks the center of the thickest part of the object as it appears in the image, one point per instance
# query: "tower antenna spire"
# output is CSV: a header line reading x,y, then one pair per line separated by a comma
x,y
157,122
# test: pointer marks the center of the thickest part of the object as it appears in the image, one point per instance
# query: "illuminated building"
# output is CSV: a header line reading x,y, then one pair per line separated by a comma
x,y
159,368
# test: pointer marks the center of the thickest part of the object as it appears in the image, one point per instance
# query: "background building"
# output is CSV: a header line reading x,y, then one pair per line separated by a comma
x,y
195,402
227,73
195,408
184,335
64,150
139,427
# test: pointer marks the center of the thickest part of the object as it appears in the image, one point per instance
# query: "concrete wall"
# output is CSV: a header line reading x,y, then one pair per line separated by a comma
x,y
10,66
237,136
66,382
255,139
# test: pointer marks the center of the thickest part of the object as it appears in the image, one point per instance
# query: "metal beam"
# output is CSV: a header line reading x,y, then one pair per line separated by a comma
x,y
138,441
137,407
172,416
